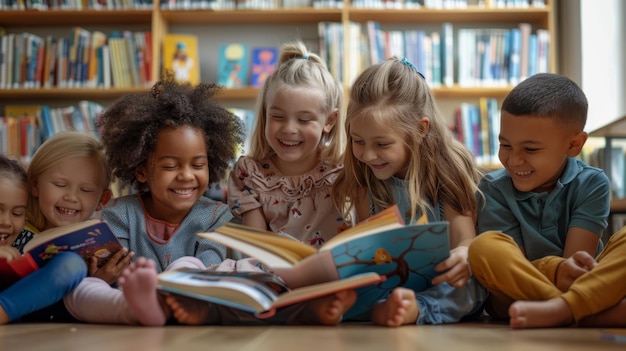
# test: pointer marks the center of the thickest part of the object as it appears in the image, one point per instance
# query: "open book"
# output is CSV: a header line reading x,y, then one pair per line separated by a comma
x,y
405,254
90,238
260,293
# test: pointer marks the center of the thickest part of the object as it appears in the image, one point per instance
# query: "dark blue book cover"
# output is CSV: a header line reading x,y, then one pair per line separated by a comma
x,y
87,239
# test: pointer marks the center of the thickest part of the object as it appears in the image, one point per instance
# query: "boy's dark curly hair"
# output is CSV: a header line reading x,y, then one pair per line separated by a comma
x,y
130,126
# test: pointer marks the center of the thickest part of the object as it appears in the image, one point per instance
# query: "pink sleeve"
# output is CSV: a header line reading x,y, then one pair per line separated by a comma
x,y
241,196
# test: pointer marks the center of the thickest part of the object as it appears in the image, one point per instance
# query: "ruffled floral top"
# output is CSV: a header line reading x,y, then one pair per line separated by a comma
x,y
299,206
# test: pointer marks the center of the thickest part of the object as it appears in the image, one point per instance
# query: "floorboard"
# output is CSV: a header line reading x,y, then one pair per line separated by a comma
x,y
466,337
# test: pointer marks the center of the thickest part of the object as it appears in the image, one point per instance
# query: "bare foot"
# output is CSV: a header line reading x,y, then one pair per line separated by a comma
x,y
613,317
537,314
400,308
187,310
330,309
139,284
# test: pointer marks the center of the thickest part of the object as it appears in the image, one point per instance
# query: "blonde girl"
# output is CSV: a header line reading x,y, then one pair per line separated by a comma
x,y
400,151
284,183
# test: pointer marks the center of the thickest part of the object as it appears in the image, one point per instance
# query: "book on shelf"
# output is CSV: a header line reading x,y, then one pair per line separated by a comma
x,y
260,293
247,119
92,238
263,63
180,56
233,65
405,254
447,54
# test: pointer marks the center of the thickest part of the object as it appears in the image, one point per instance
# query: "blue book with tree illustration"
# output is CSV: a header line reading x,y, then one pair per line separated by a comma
x,y
405,255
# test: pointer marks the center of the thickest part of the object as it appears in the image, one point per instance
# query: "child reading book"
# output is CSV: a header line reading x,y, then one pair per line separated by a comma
x,y
400,151
43,287
167,144
68,179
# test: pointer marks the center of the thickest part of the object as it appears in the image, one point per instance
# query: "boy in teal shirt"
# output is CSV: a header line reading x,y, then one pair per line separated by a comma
x,y
544,214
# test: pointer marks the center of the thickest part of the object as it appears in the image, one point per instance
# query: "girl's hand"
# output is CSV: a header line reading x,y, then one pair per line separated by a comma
x,y
112,269
456,268
9,252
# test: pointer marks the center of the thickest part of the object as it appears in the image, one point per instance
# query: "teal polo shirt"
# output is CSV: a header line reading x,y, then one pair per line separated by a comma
x,y
538,222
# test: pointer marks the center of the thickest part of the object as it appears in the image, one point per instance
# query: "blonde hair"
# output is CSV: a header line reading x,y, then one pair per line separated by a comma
x,y
440,169
297,67
62,146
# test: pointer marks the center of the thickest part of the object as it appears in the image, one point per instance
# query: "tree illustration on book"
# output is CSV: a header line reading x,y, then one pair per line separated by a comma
x,y
403,260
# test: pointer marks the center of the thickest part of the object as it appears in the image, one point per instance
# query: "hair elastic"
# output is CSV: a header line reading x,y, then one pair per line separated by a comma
x,y
305,57
411,66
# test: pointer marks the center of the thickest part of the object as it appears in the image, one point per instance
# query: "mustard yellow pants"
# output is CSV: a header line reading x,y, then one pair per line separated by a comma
x,y
500,266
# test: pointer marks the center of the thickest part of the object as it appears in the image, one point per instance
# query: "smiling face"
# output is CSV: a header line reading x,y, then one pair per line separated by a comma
x,y
70,191
380,147
296,121
12,209
176,173
534,150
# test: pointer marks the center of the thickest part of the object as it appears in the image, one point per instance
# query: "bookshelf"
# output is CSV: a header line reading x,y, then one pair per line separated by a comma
x,y
610,132
270,26
160,21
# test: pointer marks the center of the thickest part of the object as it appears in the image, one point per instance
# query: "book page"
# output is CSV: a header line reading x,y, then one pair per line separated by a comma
x,y
262,251
226,288
385,220
267,239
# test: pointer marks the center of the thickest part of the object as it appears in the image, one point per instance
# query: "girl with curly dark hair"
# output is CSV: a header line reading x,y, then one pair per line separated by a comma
x,y
167,144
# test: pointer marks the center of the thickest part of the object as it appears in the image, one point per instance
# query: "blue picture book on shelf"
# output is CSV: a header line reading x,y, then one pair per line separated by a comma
x,y
263,63
233,65
405,255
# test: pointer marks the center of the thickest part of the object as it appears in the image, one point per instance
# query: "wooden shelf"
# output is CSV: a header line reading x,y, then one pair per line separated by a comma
x,y
15,18
275,16
618,206
615,129
105,94
468,15
247,93
160,19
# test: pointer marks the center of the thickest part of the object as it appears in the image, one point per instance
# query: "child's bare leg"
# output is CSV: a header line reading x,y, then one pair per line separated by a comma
x,y
4,317
188,310
330,309
139,284
536,314
613,317
400,308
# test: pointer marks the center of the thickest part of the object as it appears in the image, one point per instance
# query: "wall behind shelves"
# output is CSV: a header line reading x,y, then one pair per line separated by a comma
x,y
592,34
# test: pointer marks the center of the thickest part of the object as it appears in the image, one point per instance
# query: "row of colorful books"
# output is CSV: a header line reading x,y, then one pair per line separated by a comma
x,y
238,65
86,59
43,5
490,56
478,126
24,128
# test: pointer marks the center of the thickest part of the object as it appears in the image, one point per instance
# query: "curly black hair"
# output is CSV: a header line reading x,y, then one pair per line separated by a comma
x,y
12,169
130,126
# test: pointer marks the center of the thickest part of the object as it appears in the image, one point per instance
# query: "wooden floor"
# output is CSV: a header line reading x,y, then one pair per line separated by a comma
x,y
466,337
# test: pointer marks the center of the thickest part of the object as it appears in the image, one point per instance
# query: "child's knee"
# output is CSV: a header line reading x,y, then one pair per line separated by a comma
x,y
69,267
